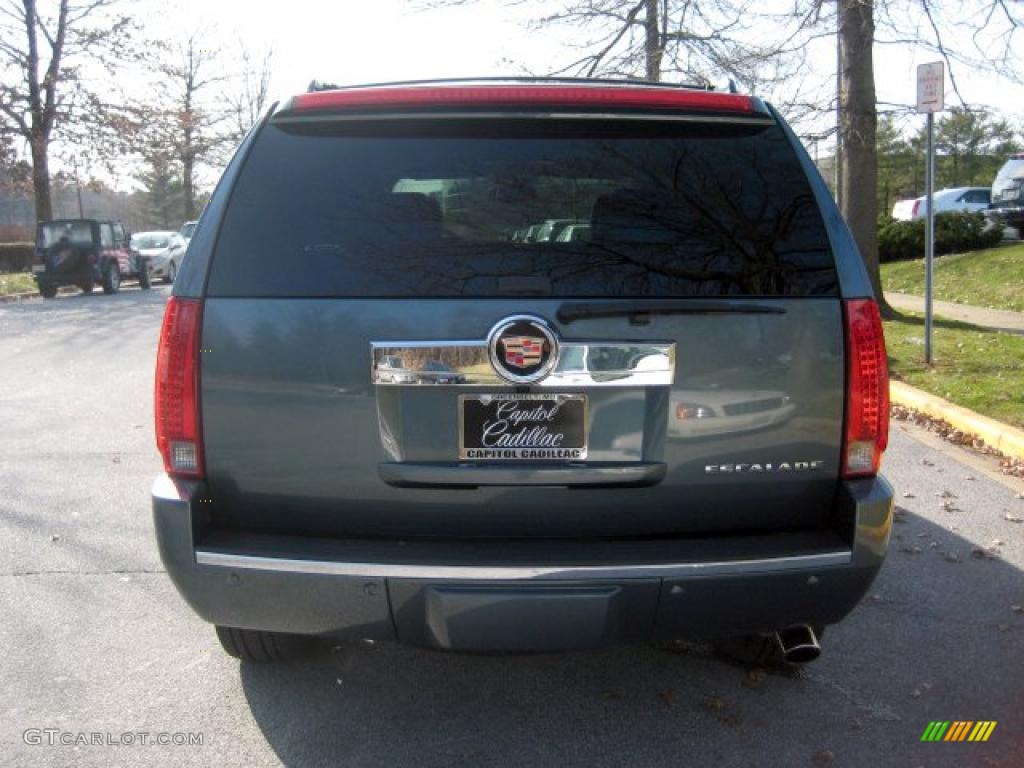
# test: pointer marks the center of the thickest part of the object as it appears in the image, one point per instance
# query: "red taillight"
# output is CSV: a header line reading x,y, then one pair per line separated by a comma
x,y
399,97
917,207
867,389
176,398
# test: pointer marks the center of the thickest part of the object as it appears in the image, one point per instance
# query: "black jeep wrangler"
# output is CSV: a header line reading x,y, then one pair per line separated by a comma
x,y
84,252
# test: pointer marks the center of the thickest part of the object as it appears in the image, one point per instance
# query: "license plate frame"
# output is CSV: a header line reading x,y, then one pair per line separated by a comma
x,y
569,421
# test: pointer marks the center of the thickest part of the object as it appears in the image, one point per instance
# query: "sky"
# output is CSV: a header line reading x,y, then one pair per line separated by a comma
x,y
357,42
349,42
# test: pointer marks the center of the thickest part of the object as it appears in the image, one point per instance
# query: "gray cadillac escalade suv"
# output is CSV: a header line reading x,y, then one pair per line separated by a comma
x,y
384,412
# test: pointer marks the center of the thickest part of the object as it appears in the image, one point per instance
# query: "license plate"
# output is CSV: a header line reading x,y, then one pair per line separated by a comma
x,y
523,427
38,267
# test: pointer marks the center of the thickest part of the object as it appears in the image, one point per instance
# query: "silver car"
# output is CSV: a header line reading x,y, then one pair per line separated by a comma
x,y
164,251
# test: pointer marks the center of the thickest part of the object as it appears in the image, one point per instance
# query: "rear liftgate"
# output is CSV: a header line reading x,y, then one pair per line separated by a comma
x,y
522,409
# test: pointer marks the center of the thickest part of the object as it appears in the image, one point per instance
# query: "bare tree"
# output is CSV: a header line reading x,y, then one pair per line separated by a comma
x,y
249,89
986,35
42,55
190,118
858,128
701,41
696,41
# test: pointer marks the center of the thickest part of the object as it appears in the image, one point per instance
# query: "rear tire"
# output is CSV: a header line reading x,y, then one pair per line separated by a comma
x,y
86,286
111,278
145,283
262,647
47,291
172,272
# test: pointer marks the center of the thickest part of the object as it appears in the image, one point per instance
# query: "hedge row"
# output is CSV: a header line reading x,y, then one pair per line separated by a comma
x,y
15,257
954,233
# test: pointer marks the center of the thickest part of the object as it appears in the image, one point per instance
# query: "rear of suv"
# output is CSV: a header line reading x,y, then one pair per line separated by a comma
x,y
1008,194
386,414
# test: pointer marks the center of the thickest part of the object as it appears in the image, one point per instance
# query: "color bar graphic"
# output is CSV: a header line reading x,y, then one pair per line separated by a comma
x,y
958,730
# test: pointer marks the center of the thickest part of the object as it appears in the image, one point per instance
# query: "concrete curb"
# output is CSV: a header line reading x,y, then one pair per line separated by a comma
x,y
10,298
1002,437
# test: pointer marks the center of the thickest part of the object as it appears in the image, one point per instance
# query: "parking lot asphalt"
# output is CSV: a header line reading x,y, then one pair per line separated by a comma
x,y
95,639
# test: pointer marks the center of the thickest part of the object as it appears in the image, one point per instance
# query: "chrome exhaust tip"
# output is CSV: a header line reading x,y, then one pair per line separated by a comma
x,y
798,644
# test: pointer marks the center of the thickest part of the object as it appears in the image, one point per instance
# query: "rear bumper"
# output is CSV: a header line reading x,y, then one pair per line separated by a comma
x,y
67,278
523,596
1008,215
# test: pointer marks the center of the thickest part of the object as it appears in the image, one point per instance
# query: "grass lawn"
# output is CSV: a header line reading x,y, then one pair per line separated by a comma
x,y
16,282
992,278
979,369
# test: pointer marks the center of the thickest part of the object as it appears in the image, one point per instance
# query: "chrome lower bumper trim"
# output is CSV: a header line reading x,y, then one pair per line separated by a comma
x,y
520,572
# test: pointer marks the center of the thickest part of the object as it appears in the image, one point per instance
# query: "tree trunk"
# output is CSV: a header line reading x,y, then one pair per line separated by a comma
x,y
41,179
858,125
188,166
652,41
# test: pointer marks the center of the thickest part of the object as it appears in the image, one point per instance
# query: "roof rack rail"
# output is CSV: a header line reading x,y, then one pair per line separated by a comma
x,y
316,85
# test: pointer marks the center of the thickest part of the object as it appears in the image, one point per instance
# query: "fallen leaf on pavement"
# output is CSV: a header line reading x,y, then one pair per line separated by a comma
x,y
714,704
755,677
824,757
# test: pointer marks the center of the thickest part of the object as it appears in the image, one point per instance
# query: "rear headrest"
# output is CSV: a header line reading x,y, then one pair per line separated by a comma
x,y
400,208
635,216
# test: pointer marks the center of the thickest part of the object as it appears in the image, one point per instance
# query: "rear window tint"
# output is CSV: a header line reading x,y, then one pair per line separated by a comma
x,y
491,208
1012,169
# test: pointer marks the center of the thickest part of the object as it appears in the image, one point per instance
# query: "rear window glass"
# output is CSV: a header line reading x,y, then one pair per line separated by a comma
x,y
1012,169
73,232
493,208
149,241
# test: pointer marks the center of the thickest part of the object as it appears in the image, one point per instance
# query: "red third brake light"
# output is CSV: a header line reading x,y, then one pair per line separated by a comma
x,y
867,389
176,397
578,96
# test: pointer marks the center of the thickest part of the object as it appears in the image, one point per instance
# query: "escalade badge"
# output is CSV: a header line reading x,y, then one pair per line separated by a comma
x,y
522,349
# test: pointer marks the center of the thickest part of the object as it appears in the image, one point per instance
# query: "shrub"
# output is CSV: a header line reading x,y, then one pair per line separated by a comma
x,y
15,257
901,241
954,233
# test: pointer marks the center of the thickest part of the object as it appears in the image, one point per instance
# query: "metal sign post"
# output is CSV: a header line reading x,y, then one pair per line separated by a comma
x,y
930,93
